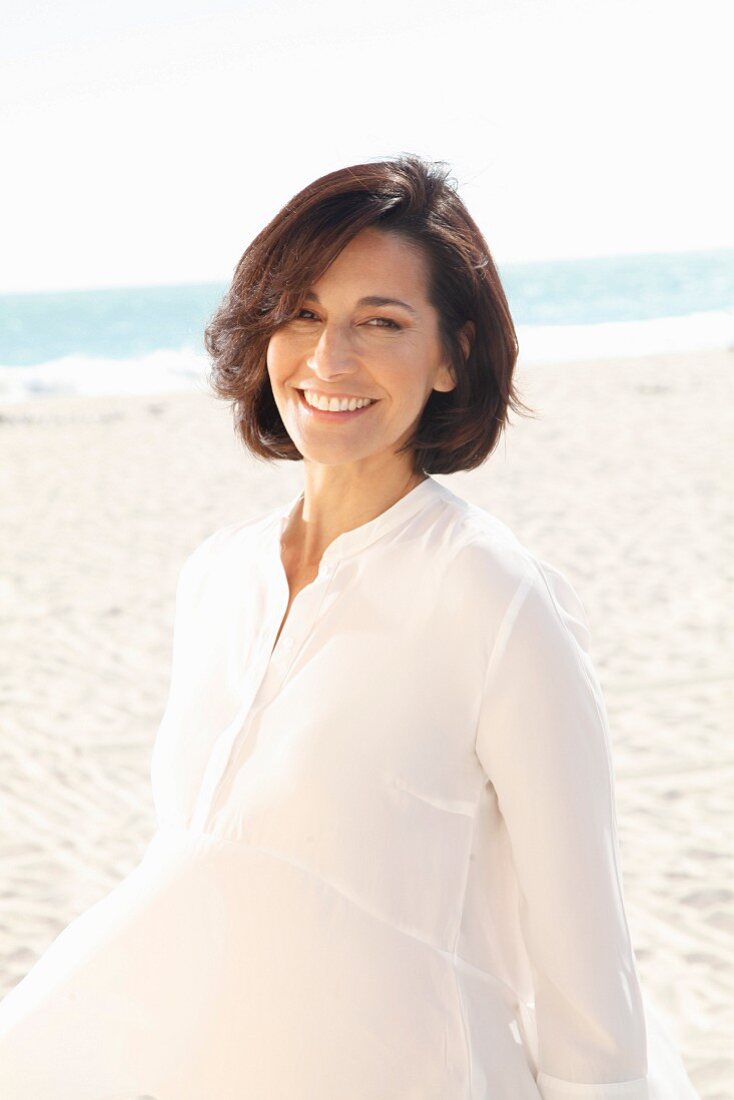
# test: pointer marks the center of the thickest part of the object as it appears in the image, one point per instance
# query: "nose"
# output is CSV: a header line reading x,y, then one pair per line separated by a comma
x,y
332,355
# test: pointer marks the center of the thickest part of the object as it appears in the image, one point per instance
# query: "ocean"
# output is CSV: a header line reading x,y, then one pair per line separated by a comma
x,y
148,339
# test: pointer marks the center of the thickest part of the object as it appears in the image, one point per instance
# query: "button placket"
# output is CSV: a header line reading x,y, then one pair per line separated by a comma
x,y
221,753
295,633
276,666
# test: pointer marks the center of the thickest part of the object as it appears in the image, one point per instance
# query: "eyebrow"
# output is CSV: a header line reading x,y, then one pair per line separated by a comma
x,y
371,300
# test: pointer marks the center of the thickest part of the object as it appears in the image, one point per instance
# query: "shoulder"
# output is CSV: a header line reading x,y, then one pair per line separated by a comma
x,y
484,555
220,544
491,566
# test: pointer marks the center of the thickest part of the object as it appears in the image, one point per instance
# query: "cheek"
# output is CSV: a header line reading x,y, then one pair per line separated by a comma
x,y
276,358
405,378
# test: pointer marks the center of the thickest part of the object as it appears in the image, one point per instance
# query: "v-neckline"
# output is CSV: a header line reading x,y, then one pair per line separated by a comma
x,y
348,542
356,538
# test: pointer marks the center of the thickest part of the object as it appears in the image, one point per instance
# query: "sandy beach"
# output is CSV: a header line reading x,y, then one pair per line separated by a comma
x,y
624,482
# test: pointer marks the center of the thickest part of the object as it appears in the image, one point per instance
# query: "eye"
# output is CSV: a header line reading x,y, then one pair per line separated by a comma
x,y
387,321
384,320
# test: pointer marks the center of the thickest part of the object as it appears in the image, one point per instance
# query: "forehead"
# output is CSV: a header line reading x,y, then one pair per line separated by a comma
x,y
379,262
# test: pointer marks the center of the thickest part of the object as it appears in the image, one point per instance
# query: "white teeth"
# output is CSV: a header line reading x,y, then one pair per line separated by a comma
x,y
335,404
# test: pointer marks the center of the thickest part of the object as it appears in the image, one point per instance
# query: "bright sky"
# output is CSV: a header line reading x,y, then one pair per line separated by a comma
x,y
149,141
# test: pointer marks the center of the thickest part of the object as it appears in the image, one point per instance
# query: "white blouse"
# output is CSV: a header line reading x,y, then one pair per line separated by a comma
x,y
386,863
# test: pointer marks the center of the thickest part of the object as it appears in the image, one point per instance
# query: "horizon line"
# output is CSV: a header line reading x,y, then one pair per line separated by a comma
x,y
506,263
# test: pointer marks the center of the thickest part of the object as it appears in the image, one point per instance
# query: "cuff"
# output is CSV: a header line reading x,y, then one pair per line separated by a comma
x,y
553,1088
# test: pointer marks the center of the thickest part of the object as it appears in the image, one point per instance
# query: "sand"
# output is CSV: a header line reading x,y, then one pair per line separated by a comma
x,y
624,482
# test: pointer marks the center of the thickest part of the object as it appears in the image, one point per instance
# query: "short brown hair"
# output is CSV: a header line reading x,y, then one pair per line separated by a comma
x,y
417,199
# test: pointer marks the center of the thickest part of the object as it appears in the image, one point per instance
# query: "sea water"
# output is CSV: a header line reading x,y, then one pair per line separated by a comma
x,y
150,339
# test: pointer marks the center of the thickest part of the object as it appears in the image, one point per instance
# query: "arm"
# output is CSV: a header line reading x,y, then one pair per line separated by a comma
x,y
543,742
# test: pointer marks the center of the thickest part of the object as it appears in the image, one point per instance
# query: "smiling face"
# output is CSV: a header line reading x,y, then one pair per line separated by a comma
x,y
341,345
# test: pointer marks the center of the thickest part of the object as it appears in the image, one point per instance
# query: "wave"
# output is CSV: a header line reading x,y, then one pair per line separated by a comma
x,y
165,370
709,331
168,370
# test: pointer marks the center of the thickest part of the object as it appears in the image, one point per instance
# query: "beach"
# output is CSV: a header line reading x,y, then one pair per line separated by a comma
x,y
624,482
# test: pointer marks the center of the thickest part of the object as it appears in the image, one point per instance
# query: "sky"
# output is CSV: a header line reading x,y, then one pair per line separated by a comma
x,y
148,142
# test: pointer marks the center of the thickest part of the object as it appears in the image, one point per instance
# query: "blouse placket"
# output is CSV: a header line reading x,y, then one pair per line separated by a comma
x,y
266,681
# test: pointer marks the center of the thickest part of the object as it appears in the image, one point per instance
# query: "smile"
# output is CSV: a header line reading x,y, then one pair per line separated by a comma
x,y
334,408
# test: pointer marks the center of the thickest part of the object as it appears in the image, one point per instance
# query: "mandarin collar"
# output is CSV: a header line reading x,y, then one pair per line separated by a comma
x,y
349,542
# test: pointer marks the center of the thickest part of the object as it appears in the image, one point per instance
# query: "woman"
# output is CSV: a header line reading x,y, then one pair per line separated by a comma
x,y
386,862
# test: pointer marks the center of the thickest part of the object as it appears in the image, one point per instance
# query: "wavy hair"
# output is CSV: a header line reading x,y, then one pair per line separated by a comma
x,y
417,199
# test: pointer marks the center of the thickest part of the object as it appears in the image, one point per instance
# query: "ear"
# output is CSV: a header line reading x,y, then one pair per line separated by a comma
x,y
467,335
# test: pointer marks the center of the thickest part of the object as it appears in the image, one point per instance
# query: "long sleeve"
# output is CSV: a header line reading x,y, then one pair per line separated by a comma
x,y
543,742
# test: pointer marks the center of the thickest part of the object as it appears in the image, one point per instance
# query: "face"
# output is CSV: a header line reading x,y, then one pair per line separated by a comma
x,y
343,346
